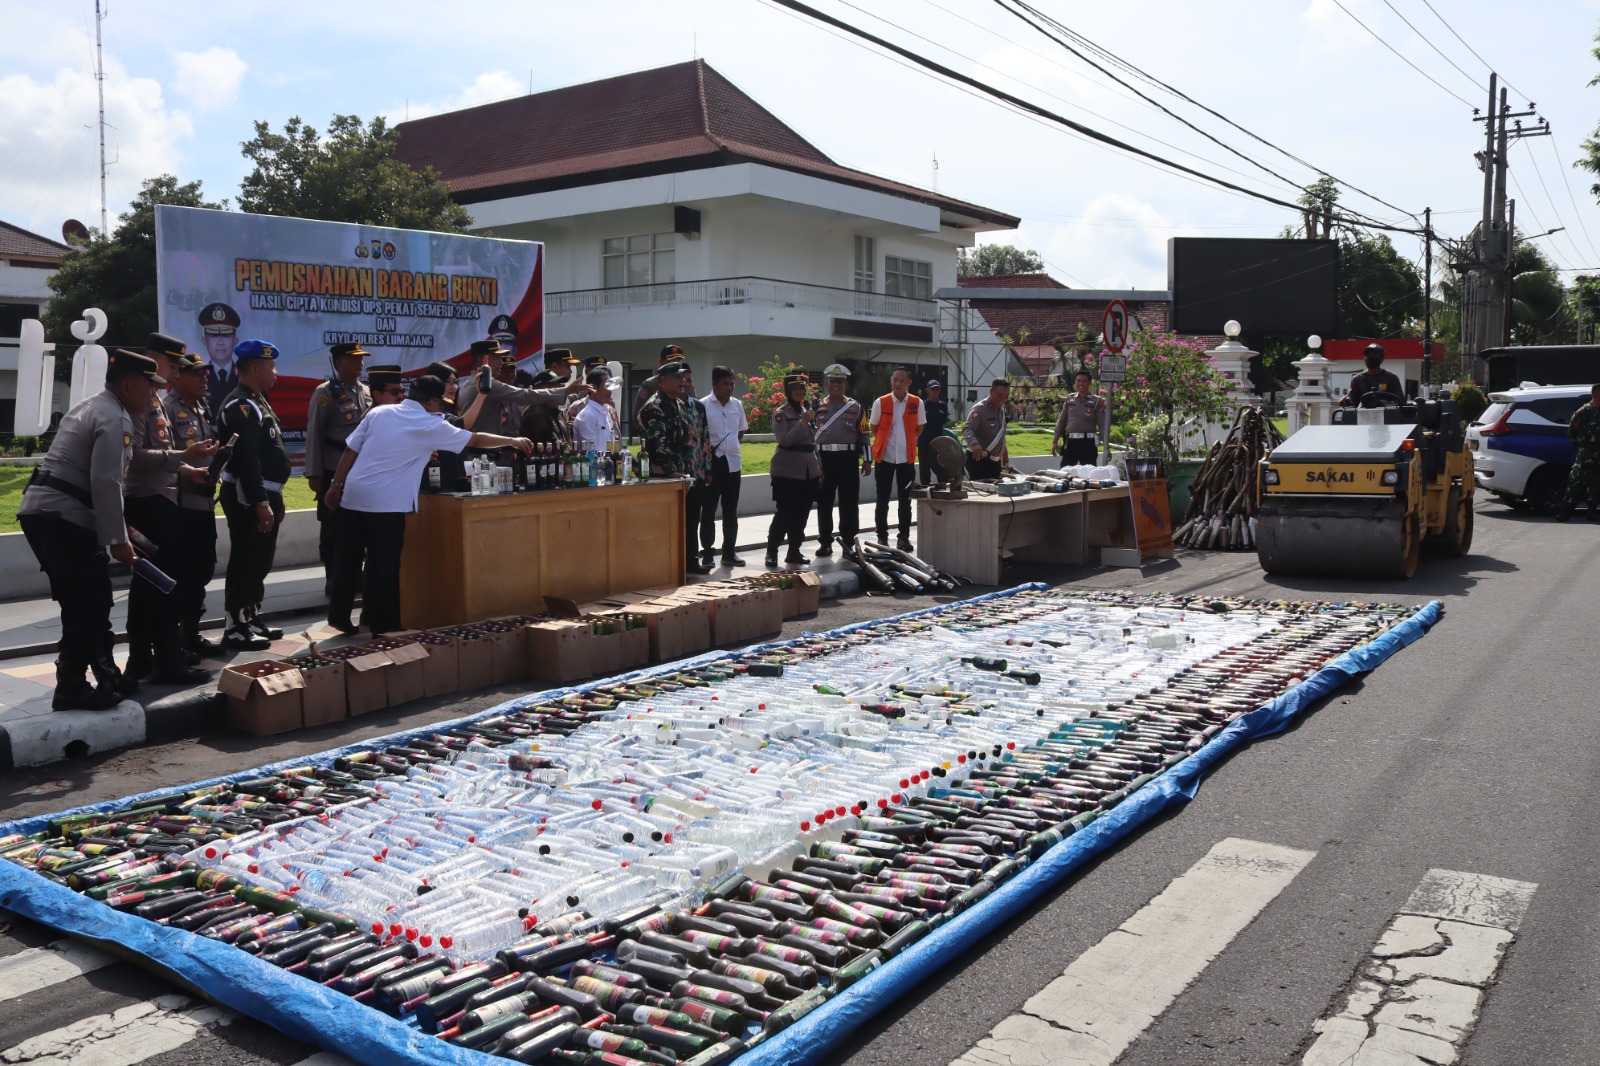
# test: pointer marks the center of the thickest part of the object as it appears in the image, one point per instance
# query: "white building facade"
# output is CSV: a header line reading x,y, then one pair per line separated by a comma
x,y
27,262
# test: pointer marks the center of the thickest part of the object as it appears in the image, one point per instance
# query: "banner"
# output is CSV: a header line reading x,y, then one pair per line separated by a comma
x,y
409,297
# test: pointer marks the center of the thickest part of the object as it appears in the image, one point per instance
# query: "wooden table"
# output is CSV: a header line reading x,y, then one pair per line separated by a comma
x,y
973,537
468,558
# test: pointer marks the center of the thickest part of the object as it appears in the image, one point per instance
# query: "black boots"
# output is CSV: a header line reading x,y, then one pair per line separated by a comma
x,y
74,693
173,668
240,636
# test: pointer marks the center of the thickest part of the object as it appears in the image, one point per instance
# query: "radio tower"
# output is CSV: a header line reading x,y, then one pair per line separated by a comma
x,y
100,86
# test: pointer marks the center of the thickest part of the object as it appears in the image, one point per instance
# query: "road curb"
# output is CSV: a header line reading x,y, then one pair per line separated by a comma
x,y
52,736
191,713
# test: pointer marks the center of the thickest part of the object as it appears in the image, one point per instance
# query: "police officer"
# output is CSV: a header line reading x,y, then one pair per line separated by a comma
x,y
985,432
795,471
1078,425
1376,379
220,324
670,353
337,406
841,437
1583,479
150,506
938,414
252,493
497,395
71,515
195,522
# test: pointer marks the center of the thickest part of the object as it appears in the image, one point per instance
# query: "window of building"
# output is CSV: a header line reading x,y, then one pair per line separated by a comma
x,y
645,259
907,277
866,272
11,316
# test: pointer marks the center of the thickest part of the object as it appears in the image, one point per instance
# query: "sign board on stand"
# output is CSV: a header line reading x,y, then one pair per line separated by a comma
x,y
1113,369
1152,508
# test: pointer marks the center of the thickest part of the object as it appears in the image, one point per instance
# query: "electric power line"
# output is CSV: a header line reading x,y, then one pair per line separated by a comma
x,y
1551,200
1379,38
1486,64
1112,57
1562,168
1430,43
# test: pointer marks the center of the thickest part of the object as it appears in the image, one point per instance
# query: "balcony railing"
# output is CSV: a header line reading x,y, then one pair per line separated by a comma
x,y
727,292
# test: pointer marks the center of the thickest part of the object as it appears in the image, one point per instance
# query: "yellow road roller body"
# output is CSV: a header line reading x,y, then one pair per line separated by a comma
x,y
1364,496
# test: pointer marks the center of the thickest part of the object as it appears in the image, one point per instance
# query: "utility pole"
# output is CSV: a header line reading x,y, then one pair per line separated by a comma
x,y
1427,304
1511,248
100,88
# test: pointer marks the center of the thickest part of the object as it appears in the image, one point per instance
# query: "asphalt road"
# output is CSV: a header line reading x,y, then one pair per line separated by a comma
x,y
1471,750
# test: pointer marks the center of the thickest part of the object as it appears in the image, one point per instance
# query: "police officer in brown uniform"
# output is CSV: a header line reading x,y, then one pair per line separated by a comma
x,y
336,409
1079,424
195,522
151,507
842,449
71,515
795,471
497,395
985,433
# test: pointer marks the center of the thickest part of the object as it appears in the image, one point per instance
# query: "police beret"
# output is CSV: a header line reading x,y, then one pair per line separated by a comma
x,y
673,369
484,349
255,350
381,377
339,351
123,364
671,352
219,318
161,344
502,325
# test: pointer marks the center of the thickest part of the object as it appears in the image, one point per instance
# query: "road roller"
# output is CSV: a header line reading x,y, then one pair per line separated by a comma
x,y
1363,497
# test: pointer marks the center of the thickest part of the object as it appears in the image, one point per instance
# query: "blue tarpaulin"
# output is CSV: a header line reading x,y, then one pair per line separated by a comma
x,y
307,1011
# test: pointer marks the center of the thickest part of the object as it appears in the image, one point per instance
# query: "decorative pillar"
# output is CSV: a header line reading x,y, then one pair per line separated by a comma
x,y
1311,405
1232,359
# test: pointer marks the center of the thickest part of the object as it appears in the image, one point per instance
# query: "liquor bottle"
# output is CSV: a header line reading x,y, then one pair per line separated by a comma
x,y
220,460
625,464
644,465
591,469
544,462
435,474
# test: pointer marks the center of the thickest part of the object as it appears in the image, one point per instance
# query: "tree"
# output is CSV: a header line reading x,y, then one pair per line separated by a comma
x,y
351,175
1540,313
1380,290
987,260
1590,159
117,273
1170,381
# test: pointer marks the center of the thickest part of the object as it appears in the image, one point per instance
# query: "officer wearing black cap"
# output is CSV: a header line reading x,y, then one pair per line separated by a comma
x,y
337,406
670,353
386,384
151,507
1376,379
499,398
503,328
196,525
220,324
71,515
252,493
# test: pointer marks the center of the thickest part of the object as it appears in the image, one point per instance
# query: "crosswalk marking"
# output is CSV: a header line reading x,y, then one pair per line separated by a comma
x,y
1111,993
36,968
121,1038
1416,997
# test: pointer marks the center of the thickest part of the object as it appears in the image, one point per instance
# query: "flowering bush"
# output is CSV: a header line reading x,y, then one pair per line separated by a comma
x,y
763,392
1170,381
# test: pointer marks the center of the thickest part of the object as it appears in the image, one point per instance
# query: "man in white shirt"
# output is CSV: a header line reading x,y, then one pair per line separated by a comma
x,y
726,421
595,425
376,486
896,420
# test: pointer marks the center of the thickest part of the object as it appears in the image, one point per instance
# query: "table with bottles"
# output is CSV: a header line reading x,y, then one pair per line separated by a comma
x,y
577,526
975,536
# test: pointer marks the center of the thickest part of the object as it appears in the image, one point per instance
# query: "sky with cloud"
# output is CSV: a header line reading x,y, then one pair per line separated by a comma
x,y
185,81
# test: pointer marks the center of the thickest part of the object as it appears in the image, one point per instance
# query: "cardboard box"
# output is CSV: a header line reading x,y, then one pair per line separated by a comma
x,y
736,616
675,629
365,685
264,698
635,645
605,654
474,659
441,671
403,679
560,650
806,595
324,697
766,612
510,650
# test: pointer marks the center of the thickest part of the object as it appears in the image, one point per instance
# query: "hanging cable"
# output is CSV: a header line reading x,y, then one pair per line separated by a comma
x,y
1379,38
1562,168
1486,64
1430,44
1076,127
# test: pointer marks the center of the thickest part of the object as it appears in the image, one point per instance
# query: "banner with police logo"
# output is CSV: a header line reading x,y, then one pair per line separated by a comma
x,y
408,297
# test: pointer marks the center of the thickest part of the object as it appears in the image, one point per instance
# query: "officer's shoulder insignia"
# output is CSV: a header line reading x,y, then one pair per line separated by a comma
x,y
127,440
322,399
181,414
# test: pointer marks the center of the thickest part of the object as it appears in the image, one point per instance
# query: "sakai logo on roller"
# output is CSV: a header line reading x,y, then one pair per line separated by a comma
x,y
1330,476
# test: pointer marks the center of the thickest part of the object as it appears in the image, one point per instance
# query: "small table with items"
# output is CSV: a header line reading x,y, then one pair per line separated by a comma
x,y
973,537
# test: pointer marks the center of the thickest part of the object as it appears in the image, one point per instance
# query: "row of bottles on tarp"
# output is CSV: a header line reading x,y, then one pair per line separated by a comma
x,y
648,964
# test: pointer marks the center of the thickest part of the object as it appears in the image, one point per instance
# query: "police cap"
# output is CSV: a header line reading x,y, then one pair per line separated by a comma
x,y
507,361
339,351
188,361
484,349
381,377
791,380
502,326
545,378
836,370
553,356
253,349
125,364
219,318
161,344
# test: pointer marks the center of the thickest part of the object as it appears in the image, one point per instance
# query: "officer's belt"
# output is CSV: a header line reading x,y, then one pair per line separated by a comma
x,y
795,448
837,447
270,486
1078,436
67,488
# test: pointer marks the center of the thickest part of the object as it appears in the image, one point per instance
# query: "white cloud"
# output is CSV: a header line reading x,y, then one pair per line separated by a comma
x,y
210,79
49,163
486,88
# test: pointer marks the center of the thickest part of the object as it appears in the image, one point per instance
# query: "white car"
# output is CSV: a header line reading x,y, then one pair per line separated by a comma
x,y
1520,450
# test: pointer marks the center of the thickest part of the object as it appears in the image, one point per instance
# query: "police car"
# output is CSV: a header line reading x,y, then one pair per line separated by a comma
x,y
1520,450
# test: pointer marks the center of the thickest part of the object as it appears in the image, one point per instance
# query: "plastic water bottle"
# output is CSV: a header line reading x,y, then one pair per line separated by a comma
x,y
591,468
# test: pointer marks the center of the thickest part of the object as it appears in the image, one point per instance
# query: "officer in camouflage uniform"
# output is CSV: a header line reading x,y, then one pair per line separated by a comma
x,y
1583,481
252,494
337,407
675,448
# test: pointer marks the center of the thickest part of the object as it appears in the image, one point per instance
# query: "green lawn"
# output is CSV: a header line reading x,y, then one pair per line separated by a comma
x,y
296,495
